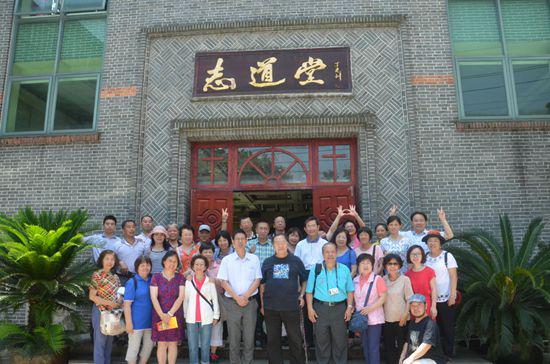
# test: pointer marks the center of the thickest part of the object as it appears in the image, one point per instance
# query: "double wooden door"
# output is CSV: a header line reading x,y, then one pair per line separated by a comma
x,y
326,167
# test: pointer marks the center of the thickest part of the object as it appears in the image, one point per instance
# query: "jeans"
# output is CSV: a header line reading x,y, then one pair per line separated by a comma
x,y
103,344
370,339
197,332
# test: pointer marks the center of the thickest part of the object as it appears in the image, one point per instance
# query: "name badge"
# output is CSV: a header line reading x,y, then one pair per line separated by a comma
x,y
333,291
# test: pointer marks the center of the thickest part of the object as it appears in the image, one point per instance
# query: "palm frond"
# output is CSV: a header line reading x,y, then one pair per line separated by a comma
x,y
506,292
507,242
530,240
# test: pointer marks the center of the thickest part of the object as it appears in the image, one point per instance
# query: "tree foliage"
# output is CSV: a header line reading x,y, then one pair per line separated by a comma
x,y
39,270
506,290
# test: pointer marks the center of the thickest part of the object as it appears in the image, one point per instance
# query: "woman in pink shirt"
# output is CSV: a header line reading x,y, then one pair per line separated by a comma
x,y
367,279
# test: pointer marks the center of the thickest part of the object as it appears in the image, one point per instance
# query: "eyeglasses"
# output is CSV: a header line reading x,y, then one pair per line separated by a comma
x,y
393,263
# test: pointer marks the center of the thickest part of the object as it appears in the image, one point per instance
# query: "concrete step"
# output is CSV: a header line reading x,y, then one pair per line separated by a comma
x,y
83,354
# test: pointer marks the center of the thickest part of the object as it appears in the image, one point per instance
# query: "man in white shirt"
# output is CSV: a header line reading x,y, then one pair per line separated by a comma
x,y
107,240
419,222
310,252
129,250
146,228
240,273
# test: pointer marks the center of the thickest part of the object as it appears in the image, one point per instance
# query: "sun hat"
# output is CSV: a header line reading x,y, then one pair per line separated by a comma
x,y
159,229
434,234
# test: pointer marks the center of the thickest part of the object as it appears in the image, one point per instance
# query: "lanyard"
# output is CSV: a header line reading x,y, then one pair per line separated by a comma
x,y
326,274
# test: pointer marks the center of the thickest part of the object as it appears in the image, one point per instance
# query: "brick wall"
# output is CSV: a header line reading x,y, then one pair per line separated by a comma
x,y
419,157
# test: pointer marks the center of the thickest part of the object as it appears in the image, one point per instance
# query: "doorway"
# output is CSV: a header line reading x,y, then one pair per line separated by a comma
x,y
263,179
295,205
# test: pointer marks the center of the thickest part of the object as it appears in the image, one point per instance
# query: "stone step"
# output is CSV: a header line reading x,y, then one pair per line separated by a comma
x,y
83,354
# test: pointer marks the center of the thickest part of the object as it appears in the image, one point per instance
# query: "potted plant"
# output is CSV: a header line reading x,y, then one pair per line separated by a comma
x,y
39,271
506,292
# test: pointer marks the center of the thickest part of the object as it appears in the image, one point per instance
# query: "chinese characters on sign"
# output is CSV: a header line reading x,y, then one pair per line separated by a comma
x,y
316,70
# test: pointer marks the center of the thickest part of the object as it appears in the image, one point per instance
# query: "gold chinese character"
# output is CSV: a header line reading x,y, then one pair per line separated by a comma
x,y
309,67
216,81
265,71
337,71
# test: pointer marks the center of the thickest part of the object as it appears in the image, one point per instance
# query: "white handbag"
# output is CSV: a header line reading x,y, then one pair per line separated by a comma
x,y
112,323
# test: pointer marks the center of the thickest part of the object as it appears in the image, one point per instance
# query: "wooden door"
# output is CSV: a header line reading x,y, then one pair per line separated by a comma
x,y
326,201
206,208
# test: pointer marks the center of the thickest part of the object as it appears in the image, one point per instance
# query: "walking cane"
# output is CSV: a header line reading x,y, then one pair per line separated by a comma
x,y
302,329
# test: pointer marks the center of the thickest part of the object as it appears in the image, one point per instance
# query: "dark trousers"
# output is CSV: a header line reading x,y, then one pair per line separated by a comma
x,y
370,339
259,333
291,320
331,334
308,328
446,317
394,339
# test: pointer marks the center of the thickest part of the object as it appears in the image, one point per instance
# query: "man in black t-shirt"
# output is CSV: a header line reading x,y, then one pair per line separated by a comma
x,y
422,346
282,297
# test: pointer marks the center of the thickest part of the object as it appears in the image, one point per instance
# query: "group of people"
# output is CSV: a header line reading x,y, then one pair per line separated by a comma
x,y
400,285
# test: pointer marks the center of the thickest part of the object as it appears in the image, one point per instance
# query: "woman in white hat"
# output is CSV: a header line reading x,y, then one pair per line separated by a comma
x,y
159,247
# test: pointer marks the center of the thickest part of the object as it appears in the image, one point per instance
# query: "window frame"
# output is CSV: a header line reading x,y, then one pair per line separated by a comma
x,y
53,77
59,9
508,73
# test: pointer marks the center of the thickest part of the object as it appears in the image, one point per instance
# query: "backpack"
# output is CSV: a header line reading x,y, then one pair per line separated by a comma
x,y
318,268
458,299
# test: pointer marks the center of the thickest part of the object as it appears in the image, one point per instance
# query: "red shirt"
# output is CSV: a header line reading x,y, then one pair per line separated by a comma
x,y
198,299
420,282
185,257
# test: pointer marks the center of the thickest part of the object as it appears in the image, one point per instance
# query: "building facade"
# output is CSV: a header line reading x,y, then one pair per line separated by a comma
x,y
449,106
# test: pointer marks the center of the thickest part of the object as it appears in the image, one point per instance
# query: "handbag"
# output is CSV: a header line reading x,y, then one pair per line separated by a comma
x,y
360,322
111,322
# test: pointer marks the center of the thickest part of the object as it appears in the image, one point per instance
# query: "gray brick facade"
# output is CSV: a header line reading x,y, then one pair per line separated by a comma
x,y
403,112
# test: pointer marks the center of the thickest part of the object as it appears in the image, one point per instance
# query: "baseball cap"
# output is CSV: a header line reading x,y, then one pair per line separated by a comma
x,y
417,298
204,227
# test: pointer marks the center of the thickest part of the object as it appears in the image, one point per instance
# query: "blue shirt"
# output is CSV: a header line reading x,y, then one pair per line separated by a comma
x,y
263,251
349,258
217,253
326,280
142,307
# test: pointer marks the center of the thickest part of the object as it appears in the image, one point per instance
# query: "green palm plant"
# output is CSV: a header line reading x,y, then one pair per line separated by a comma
x,y
39,268
506,291
44,340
